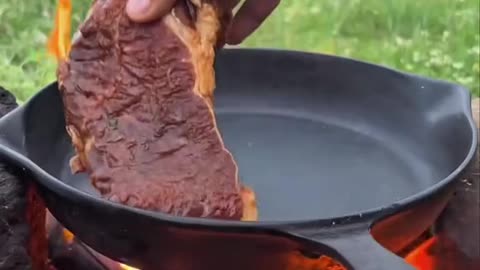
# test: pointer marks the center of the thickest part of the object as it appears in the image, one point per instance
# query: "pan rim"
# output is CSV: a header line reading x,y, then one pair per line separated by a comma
x,y
370,215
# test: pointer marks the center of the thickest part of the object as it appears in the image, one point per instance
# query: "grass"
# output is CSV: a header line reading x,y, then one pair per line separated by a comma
x,y
435,38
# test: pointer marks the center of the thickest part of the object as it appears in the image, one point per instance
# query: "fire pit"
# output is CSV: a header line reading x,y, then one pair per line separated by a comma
x,y
33,239
450,243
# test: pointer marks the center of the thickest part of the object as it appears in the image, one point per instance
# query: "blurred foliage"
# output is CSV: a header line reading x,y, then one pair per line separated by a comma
x,y
435,38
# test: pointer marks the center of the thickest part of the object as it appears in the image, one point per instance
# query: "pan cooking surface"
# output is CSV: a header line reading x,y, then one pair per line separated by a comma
x,y
302,168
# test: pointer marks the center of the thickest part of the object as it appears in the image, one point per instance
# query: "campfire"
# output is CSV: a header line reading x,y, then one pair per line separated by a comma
x,y
428,252
436,252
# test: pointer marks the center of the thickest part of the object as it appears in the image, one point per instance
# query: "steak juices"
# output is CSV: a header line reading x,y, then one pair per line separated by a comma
x,y
138,103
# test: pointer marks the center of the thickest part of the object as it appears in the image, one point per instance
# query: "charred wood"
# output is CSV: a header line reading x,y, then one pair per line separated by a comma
x,y
22,214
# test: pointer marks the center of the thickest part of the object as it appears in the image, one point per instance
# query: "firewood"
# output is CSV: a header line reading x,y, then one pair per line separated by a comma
x,y
23,243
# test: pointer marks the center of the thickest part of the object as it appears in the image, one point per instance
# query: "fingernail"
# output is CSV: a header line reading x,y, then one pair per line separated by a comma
x,y
137,7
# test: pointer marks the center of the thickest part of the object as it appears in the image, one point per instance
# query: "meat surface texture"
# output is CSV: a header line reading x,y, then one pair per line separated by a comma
x,y
138,102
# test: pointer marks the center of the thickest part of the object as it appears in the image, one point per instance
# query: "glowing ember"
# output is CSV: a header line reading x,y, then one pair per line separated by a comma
x,y
126,267
299,262
68,236
421,257
441,253
60,38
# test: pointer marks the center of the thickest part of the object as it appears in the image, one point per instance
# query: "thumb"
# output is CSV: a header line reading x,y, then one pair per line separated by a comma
x,y
148,10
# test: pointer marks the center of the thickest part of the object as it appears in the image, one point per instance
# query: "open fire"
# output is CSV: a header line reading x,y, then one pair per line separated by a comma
x,y
440,253
435,253
421,257
61,239
66,249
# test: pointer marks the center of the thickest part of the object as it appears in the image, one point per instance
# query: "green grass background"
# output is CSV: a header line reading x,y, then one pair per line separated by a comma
x,y
436,38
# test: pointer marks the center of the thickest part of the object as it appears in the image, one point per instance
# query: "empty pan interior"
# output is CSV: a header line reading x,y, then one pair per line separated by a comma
x,y
315,136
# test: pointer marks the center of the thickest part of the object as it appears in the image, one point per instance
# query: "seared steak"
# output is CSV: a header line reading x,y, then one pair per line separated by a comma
x,y
139,110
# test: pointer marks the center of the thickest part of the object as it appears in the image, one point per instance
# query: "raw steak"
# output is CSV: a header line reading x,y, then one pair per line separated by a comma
x,y
139,110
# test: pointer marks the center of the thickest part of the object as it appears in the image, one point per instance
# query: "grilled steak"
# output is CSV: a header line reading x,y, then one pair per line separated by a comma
x,y
139,110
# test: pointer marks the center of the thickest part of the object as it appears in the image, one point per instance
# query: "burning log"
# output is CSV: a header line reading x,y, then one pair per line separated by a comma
x,y
22,214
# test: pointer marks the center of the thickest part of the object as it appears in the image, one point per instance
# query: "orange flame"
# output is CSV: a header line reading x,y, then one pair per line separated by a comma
x,y
126,267
297,261
60,39
69,238
420,258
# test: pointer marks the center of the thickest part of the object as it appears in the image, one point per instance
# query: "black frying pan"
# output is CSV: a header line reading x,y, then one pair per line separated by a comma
x,y
330,145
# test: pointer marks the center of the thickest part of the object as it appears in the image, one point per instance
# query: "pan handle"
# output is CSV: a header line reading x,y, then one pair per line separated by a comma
x,y
353,246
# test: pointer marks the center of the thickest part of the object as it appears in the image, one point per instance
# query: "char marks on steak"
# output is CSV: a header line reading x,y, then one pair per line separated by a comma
x,y
139,110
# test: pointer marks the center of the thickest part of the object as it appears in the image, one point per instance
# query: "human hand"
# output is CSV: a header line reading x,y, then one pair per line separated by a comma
x,y
248,18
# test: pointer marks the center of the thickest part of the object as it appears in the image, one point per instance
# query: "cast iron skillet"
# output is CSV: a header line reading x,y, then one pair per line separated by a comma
x,y
330,145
